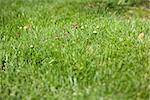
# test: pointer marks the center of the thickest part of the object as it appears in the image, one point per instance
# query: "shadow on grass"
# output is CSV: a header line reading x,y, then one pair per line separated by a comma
x,y
140,9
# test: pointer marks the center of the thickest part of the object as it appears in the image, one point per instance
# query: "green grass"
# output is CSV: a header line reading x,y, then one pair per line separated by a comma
x,y
73,50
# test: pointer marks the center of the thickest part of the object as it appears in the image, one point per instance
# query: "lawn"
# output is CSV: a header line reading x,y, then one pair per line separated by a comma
x,y
73,50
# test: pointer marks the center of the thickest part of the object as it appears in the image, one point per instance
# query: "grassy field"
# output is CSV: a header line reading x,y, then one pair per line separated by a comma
x,y
73,50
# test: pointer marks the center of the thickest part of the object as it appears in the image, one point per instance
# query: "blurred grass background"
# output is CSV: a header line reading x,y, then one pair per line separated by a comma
x,y
74,49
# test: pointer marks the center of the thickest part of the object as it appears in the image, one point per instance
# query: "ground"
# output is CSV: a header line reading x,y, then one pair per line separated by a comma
x,y
74,50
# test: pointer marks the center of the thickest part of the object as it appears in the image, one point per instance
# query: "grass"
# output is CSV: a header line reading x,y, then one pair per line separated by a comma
x,y
73,50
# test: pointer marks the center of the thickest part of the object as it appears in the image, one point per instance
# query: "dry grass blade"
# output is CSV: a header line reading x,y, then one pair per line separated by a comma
x,y
141,36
